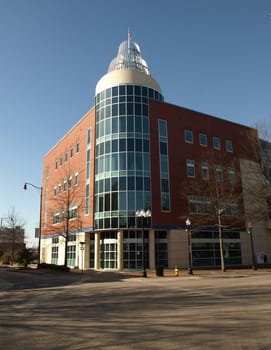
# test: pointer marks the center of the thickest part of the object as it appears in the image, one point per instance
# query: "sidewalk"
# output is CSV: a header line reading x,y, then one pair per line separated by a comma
x,y
208,273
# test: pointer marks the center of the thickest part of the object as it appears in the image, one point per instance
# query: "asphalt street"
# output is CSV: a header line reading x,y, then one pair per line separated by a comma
x,y
74,311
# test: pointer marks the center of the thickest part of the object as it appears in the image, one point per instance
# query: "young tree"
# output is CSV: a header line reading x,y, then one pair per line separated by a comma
x,y
14,231
215,198
65,202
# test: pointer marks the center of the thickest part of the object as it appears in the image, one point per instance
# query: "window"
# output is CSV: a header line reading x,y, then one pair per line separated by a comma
x,y
70,182
229,147
71,238
205,170
66,157
73,212
71,152
231,209
231,175
164,171
60,161
59,188
76,178
56,217
216,142
203,139
199,205
56,166
65,185
190,168
77,147
218,173
55,191
54,255
89,136
188,136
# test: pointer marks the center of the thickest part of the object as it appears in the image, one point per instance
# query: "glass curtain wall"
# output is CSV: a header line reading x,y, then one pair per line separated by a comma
x,y
122,163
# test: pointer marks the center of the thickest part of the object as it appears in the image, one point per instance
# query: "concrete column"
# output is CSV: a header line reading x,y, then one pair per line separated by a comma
x,y
81,249
87,250
97,251
152,249
120,250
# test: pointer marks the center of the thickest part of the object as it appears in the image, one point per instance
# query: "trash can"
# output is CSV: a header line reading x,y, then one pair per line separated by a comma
x,y
160,270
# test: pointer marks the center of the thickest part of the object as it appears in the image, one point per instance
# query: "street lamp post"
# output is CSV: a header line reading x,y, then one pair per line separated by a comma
x,y
188,230
82,248
249,226
40,189
143,215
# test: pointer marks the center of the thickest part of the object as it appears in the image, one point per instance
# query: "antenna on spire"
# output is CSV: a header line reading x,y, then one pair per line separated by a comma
x,y
129,40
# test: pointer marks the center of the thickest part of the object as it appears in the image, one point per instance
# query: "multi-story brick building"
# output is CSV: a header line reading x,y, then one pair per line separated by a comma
x,y
132,151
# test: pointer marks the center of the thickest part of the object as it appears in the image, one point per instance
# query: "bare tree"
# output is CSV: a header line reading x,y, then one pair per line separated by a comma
x,y
65,202
215,199
14,231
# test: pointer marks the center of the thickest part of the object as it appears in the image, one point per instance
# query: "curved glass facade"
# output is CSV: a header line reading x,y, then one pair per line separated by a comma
x,y
122,159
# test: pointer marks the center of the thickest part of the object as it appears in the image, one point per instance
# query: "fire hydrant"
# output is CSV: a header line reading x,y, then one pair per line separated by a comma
x,y
176,271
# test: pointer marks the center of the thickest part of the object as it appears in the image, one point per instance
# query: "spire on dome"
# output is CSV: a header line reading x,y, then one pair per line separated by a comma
x,y
129,57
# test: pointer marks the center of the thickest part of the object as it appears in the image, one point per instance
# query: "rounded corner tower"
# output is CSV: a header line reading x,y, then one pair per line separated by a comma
x,y
122,155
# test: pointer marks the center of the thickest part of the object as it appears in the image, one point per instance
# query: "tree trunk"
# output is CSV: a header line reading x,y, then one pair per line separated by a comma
x,y
221,245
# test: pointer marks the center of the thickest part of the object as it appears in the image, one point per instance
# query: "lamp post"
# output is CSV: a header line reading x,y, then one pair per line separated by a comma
x,y
82,248
40,189
188,230
143,215
249,226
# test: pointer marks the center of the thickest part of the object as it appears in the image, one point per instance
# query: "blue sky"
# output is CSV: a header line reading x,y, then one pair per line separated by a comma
x,y
207,55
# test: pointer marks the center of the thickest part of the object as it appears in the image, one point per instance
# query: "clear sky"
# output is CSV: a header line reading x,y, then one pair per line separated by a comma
x,y
207,55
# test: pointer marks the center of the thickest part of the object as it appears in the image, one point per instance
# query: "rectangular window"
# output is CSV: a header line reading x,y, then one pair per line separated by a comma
x,y
203,139
73,212
76,179
54,255
77,147
71,152
231,209
89,136
216,142
188,136
190,168
164,169
56,166
56,218
199,205
218,173
205,170
66,157
229,147
231,175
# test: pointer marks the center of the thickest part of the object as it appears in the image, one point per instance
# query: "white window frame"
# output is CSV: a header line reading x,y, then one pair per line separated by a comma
x,y
188,136
190,164
216,143
205,137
